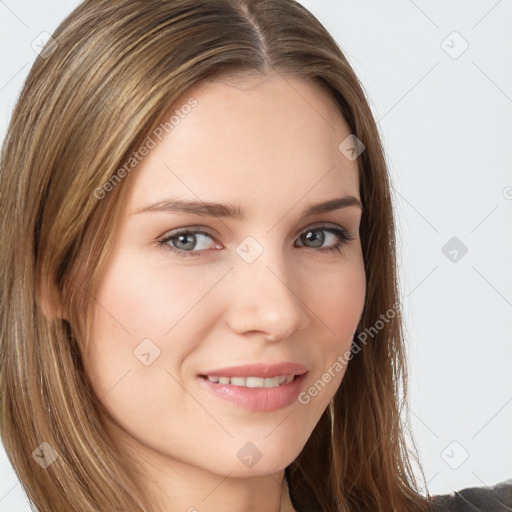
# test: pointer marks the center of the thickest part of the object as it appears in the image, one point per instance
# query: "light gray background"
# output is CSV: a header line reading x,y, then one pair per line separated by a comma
x,y
446,122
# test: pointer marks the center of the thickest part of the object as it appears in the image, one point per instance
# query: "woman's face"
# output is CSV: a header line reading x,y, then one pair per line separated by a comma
x,y
261,283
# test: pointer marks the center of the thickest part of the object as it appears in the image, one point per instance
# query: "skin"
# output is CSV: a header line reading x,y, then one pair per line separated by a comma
x,y
269,145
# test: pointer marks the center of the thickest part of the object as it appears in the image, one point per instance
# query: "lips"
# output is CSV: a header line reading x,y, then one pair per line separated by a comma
x,y
260,370
259,398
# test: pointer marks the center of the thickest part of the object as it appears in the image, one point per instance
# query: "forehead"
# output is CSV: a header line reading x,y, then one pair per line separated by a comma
x,y
265,137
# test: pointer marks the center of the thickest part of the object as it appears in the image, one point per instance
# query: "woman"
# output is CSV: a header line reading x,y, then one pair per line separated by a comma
x,y
201,312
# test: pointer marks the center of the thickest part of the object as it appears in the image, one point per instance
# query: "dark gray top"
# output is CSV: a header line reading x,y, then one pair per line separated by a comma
x,y
492,498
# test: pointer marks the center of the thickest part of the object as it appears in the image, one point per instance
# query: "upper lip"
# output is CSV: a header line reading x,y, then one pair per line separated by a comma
x,y
259,370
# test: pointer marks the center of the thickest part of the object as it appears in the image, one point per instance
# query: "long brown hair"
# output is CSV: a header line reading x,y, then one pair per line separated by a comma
x,y
96,91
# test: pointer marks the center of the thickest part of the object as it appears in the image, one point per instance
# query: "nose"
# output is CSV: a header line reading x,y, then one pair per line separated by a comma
x,y
263,299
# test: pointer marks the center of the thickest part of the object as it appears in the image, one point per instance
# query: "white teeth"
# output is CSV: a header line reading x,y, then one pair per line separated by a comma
x,y
253,382
275,381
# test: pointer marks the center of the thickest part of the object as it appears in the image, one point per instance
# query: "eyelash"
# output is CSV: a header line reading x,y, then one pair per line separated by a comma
x,y
342,234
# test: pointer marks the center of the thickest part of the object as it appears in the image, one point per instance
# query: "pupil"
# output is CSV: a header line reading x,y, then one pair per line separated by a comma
x,y
317,240
186,238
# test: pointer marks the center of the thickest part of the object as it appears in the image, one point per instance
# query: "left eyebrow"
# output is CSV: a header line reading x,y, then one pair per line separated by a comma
x,y
232,211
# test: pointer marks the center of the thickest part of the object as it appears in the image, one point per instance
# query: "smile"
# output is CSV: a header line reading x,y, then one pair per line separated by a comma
x,y
252,382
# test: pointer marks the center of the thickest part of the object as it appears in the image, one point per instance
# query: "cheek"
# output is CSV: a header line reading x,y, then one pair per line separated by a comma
x,y
151,298
338,299
337,302
143,308
142,331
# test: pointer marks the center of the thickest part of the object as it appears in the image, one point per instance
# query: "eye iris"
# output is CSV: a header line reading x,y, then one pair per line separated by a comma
x,y
186,238
318,241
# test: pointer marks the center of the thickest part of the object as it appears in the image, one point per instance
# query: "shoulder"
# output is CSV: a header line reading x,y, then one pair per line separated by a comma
x,y
492,498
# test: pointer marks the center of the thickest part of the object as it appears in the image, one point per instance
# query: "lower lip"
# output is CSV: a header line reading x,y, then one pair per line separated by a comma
x,y
257,399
